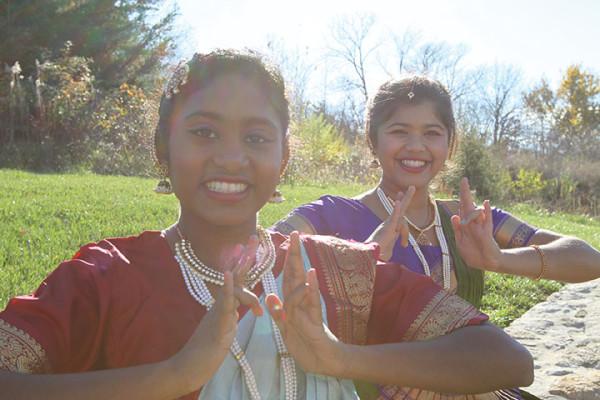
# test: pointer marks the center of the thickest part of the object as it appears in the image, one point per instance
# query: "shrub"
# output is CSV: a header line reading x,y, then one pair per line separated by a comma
x,y
486,174
57,120
120,133
320,155
528,185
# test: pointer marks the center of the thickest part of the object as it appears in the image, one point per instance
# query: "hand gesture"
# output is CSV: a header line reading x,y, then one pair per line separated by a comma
x,y
394,226
209,344
473,231
299,316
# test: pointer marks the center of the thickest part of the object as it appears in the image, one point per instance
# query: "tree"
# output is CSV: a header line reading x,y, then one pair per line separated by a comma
x,y
500,104
539,106
578,114
353,47
296,71
128,40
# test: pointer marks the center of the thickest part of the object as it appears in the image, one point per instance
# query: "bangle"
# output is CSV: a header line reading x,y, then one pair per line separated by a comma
x,y
544,267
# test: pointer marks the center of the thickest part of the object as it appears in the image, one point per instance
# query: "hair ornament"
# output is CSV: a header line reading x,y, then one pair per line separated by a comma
x,y
177,80
411,92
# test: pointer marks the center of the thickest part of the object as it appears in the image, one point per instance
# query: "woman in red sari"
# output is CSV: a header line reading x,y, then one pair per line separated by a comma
x,y
146,317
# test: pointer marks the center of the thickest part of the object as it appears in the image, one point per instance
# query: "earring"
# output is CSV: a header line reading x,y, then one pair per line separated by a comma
x,y
374,164
164,185
276,197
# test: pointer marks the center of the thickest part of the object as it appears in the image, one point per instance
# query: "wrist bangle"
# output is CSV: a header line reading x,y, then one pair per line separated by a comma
x,y
544,266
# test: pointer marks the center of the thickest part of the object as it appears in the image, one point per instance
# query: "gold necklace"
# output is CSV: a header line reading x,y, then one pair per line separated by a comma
x,y
422,237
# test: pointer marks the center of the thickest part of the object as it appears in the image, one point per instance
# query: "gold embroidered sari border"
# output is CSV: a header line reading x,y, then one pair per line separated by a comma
x,y
19,352
349,278
443,313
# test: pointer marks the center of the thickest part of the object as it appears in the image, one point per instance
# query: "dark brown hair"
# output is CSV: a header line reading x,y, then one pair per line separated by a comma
x,y
204,69
409,91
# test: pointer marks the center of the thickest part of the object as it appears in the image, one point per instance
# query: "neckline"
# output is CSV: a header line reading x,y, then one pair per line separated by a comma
x,y
426,246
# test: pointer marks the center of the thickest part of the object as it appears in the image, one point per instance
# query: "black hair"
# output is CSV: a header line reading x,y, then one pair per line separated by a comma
x,y
202,69
410,90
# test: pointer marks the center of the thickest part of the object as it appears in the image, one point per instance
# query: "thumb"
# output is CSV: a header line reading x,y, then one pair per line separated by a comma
x,y
456,227
275,307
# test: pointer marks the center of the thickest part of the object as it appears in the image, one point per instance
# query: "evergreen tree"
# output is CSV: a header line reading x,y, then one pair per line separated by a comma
x,y
128,40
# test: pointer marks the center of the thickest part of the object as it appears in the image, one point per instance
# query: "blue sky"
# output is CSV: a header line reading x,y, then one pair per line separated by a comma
x,y
540,37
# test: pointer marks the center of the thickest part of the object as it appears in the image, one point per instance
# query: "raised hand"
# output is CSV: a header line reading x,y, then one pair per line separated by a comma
x,y
210,342
394,226
473,231
299,316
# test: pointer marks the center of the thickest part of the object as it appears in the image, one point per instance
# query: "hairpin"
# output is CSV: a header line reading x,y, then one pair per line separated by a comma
x,y
177,80
411,93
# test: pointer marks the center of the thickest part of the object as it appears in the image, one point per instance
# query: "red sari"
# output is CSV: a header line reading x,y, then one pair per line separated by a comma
x,y
123,302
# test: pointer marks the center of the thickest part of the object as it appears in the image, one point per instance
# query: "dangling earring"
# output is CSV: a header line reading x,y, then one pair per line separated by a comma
x,y
374,164
164,185
276,197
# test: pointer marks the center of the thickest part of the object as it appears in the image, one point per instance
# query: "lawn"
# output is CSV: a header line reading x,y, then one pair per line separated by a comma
x,y
47,217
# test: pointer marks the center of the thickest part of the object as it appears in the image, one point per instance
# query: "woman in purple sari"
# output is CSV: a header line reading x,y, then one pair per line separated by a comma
x,y
411,132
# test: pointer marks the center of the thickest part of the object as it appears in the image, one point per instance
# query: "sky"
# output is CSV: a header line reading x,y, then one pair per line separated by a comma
x,y
540,37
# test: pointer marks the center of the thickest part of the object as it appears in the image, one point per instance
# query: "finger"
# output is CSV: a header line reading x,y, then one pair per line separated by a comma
x,y
246,261
472,216
314,296
402,205
293,270
252,246
489,218
403,231
225,299
466,199
275,307
457,227
230,257
295,297
240,272
247,298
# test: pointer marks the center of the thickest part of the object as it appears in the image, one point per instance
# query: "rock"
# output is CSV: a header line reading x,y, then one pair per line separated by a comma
x,y
563,336
559,372
578,387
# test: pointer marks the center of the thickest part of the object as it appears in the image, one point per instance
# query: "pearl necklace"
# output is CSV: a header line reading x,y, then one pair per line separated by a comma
x,y
389,207
216,277
195,273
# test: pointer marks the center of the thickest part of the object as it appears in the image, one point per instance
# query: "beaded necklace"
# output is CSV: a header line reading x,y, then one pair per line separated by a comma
x,y
439,233
195,273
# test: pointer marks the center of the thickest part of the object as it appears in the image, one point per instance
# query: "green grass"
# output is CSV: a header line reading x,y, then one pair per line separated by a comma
x,y
47,217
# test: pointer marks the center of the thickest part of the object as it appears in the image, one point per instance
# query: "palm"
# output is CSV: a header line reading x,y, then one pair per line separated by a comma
x,y
299,317
394,226
473,231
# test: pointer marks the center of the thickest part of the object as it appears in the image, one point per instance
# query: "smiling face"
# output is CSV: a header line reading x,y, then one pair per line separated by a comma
x,y
412,146
226,151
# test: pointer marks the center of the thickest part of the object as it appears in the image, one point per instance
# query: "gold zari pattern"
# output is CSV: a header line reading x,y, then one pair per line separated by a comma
x,y
19,352
443,314
350,277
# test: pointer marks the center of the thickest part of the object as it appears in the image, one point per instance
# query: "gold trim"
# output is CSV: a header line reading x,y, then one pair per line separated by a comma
x,y
19,352
444,313
512,232
390,392
294,222
349,270
451,205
